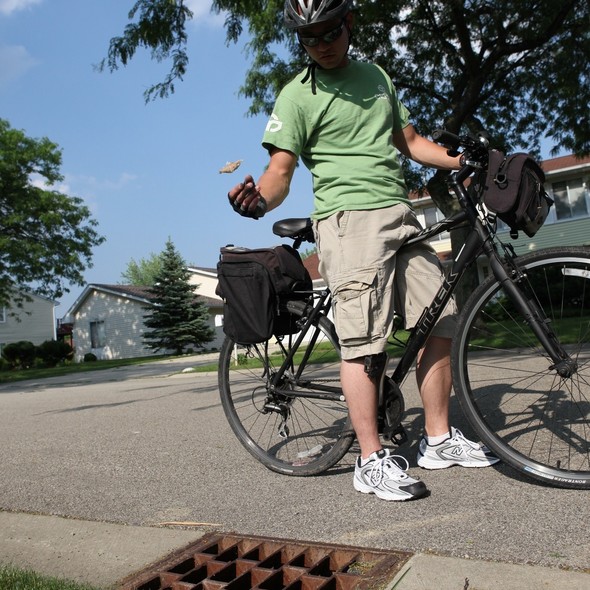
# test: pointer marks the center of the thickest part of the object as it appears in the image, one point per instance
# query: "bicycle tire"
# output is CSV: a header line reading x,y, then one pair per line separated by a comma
x,y
534,420
319,430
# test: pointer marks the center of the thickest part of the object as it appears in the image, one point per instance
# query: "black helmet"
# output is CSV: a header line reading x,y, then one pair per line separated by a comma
x,y
300,13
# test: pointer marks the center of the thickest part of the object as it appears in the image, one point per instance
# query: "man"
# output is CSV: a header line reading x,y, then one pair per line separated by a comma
x,y
344,120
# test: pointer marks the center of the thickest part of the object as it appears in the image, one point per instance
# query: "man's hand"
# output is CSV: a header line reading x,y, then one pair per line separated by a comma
x,y
245,199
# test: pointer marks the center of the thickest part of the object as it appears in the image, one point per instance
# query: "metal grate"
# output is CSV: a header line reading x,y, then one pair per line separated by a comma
x,y
236,562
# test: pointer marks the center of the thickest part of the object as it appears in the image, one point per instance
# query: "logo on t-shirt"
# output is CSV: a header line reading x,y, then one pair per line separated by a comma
x,y
274,124
383,94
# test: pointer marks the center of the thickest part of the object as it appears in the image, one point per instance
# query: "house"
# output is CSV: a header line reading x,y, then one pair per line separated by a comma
x,y
567,180
108,321
34,322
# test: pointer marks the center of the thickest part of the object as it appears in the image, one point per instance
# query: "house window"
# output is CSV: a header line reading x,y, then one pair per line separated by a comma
x,y
571,199
2,315
433,215
98,337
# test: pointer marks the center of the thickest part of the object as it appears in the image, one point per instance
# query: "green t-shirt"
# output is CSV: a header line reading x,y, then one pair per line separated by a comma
x,y
343,135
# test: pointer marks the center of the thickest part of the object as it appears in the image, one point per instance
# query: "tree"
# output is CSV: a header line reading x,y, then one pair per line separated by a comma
x,y
516,69
178,319
144,272
46,237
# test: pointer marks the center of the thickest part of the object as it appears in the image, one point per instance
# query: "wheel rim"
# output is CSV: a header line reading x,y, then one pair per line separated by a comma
x,y
297,436
522,409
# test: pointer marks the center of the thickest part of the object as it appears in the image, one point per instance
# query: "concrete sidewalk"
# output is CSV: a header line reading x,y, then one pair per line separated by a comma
x,y
103,554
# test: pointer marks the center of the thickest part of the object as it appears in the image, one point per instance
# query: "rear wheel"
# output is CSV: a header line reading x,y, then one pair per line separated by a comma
x,y
535,420
299,424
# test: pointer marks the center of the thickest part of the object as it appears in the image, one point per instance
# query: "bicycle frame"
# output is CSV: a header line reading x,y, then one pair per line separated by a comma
x,y
480,241
322,306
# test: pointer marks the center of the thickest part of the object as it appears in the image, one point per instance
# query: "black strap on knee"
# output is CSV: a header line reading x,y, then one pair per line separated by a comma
x,y
375,364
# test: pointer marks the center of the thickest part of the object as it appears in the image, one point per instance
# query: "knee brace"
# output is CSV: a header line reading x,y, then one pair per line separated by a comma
x,y
375,364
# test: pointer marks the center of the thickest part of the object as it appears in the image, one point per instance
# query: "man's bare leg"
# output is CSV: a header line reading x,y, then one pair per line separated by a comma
x,y
433,374
360,392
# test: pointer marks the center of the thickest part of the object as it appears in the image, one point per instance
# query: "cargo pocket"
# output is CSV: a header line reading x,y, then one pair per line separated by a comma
x,y
355,306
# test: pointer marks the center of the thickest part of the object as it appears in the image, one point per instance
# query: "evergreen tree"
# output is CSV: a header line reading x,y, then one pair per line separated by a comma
x,y
178,319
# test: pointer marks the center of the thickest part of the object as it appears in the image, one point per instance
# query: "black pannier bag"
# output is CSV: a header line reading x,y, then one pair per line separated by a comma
x,y
514,190
251,283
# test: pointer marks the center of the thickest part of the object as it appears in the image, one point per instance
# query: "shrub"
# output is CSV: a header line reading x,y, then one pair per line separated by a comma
x,y
20,355
90,357
53,352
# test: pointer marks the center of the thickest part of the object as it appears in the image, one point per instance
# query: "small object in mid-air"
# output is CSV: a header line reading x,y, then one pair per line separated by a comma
x,y
230,167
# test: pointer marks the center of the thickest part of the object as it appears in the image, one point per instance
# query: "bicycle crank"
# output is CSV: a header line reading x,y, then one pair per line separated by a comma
x,y
391,412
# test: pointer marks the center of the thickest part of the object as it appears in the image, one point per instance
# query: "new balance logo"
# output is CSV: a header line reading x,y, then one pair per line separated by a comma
x,y
452,452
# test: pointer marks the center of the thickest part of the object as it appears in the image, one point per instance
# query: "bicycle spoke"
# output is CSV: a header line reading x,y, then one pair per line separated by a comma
x,y
536,420
282,420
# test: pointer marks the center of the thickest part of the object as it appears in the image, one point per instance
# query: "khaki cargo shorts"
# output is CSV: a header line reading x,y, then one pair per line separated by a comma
x,y
371,283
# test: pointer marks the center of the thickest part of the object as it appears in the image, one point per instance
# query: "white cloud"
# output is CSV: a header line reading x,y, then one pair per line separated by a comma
x,y
10,6
201,10
15,61
89,188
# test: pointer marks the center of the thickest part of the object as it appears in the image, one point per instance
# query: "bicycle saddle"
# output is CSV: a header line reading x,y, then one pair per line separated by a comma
x,y
295,228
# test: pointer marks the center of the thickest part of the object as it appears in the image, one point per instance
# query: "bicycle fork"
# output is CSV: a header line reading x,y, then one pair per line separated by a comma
x,y
531,313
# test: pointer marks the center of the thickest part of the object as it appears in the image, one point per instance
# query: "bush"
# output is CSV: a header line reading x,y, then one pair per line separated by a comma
x,y
20,355
53,352
90,357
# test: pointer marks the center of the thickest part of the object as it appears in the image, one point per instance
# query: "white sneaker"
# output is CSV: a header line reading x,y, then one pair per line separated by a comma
x,y
382,475
456,450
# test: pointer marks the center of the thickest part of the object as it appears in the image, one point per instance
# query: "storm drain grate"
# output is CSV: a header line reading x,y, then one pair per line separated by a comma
x,y
236,562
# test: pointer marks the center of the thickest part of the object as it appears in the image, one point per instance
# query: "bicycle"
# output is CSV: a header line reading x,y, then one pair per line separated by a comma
x,y
520,358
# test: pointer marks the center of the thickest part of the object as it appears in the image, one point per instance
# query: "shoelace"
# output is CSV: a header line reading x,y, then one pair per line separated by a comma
x,y
381,466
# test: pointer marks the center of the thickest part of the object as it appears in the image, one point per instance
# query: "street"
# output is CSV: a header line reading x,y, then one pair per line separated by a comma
x,y
147,446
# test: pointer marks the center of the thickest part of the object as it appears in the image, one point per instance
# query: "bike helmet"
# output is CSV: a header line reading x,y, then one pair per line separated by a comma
x,y
300,13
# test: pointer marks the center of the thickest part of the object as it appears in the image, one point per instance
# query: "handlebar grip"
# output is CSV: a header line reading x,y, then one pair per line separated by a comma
x,y
446,137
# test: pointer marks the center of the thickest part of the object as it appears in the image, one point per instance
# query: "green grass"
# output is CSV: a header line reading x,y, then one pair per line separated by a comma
x,y
323,353
12,578
568,330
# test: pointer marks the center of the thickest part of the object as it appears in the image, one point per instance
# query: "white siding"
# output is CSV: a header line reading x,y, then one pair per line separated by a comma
x,y
123,325
207,283
35,322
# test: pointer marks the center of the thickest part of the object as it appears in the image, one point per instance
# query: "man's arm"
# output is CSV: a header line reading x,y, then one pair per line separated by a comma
x,y
272,187
422,150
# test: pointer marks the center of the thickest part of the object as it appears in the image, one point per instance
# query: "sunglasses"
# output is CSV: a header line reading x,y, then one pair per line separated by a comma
x,y
327,38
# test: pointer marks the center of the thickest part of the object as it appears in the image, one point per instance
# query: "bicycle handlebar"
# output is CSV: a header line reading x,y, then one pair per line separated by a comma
x,y
475,149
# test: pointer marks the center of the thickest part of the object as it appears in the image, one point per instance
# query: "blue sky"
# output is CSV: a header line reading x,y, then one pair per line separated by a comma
x,y
147,172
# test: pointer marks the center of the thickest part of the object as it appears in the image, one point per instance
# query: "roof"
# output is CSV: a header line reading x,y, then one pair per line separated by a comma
x,y
563,162
202,270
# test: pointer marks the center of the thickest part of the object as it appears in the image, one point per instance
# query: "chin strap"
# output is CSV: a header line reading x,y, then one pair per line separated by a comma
x,y
310,74
313,66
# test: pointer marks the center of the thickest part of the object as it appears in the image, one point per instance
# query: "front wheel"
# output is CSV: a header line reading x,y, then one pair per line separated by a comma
x,y
295,423
535,420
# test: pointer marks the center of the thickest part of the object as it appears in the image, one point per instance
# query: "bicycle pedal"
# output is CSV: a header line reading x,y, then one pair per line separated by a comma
x,y
398,436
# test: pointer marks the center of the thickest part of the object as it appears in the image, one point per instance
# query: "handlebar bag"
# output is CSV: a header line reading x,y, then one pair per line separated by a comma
x,y
251,283
514,190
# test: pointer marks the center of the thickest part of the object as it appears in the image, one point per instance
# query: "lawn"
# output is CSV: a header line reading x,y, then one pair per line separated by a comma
x,y
12,578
